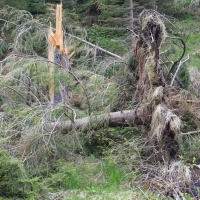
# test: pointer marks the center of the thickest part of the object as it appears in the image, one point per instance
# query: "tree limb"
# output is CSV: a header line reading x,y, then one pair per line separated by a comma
x,y
177,61
191,132
179,65
95,46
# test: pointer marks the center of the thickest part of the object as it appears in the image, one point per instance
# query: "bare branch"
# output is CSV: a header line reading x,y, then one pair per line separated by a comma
x,y
97,47
191,132
18,94
180,63
177,61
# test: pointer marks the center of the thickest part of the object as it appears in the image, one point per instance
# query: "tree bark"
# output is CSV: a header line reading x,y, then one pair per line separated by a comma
x,y
147,55
141,115
165,125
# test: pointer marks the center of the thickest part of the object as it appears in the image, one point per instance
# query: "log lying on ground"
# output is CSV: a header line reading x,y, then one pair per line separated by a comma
x,y
141,115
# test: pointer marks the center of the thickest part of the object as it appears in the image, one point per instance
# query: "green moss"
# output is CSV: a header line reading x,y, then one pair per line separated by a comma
x,y
150,68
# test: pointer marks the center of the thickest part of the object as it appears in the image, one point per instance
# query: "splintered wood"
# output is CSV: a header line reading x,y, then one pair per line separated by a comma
x,y
56,39
56,46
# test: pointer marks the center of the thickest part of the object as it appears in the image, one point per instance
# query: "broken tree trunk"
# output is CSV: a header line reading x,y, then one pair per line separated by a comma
x,y
57,53
152,88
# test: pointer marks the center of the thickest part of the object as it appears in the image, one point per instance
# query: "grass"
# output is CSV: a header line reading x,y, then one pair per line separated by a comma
x,y
85,174
193,45
115,194
93,179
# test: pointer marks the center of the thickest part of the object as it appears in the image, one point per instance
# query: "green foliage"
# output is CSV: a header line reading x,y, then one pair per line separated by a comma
x,y
113,173
102,141
23,33
189,149
105,38
19,4
81,175
188,122
102,92
36,7
67,177
2,48
33,6
184,76
192,42
97,143
13,179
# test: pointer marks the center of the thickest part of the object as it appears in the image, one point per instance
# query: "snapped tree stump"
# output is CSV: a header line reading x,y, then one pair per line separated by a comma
x,y
151,87
58,54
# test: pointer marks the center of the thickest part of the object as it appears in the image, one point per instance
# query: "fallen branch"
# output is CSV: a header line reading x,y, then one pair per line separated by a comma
x,y
177,61
180,63
141,115
177,80
96,47
191,132
193,101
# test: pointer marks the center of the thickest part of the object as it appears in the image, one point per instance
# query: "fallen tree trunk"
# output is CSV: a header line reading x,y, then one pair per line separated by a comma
x,y
141,115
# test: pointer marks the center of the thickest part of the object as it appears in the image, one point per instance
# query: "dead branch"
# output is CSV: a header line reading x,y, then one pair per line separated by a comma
x,y
177,80
128,29
95,46
177,61
193,101
191,132
10,100
27,103
179,65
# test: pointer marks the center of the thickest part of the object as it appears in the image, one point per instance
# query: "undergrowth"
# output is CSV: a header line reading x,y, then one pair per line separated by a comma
x,y
39,162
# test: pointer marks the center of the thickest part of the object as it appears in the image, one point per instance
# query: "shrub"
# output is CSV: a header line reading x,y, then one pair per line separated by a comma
x,y
13,180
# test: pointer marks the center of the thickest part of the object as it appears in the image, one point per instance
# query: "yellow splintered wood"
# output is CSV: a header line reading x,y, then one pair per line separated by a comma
x,y
73,52
55,40
52,37
59,31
